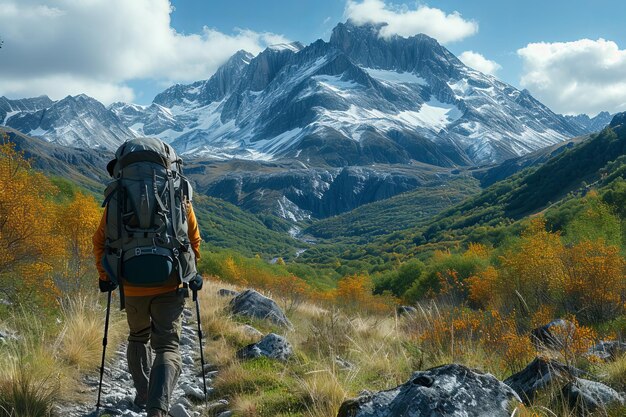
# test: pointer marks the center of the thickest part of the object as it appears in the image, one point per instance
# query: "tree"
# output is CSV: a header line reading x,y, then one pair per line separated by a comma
x,y
74,225
28,246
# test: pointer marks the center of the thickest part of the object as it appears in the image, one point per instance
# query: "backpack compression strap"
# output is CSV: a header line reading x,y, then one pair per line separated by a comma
x,y
144,156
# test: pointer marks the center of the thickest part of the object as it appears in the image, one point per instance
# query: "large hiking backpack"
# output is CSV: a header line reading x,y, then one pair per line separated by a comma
x,y
147,242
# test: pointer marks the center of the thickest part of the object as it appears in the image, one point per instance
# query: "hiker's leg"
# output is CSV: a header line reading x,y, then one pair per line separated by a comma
x,y
166,312
138,352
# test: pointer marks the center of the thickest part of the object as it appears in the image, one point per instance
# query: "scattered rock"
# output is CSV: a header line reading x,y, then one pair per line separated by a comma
x,y
449,390
556,335
540,374
343,364
252,304
225,414
227,293
184,402
7,336
177,410
251,331
588,396
608,350
187,339
193,392
272,346
406,311
217,407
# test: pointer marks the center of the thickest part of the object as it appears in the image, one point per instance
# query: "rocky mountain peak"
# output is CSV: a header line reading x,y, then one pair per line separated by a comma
x,y
619,120
204,92
364,45
76,121
10,107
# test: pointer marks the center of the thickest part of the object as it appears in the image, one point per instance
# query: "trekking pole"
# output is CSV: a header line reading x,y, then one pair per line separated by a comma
x,y
195,299
104,349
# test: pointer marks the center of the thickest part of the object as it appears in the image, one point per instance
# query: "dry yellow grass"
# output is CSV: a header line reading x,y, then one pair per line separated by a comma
x,y
382,352
48,361
323,392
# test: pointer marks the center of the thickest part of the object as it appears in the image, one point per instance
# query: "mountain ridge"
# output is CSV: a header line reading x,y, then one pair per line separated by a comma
x,y
357,99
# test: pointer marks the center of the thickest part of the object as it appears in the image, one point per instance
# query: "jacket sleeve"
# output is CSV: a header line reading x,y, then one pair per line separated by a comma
x,y
98,247
193,231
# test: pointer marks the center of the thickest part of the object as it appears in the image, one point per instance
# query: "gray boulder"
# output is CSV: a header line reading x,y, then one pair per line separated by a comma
x,y
588,396
252,304
224,292
556,335
406,311
7,336
271,346
538,375
449,390
608,350
178,410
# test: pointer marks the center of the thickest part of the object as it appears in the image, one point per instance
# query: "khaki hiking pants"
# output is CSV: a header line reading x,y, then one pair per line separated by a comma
x,y
156,319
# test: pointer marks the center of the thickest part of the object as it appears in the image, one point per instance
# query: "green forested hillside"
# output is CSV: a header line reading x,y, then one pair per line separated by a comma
x,y
396,213
225,226
555,187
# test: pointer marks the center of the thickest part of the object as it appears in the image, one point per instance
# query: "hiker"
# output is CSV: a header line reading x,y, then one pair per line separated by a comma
x,y
147,244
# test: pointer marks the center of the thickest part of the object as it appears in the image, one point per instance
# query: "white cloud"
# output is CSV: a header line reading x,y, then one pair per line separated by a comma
x,y
404,21
98,46
583,76
58,86
479,62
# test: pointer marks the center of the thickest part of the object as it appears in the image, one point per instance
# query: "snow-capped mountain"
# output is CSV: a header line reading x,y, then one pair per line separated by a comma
x,y
357,99
75,121
9,108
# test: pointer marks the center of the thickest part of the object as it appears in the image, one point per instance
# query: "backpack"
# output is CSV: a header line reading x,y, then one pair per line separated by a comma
x,y
146,233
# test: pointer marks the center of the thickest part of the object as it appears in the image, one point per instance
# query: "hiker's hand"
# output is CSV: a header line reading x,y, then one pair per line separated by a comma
x,y
196,283
106,286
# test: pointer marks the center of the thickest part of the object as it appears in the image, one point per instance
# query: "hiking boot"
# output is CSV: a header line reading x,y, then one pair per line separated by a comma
x,y
140,401
156,412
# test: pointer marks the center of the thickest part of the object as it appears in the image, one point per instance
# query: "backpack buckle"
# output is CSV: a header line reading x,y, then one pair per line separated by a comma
x,y
175,252
137,251
154,250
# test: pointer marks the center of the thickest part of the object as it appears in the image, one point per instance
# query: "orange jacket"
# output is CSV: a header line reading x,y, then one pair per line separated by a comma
x,y
129,290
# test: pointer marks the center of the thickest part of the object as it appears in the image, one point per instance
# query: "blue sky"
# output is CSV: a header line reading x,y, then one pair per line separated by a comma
x,y
564,52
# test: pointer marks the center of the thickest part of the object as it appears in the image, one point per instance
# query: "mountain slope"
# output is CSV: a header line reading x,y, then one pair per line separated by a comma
x,y
408,209
489,216
358,99
294,192
75,121
9,108
84,167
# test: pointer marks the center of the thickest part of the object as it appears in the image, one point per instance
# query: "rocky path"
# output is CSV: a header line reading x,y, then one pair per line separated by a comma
x,y
118,392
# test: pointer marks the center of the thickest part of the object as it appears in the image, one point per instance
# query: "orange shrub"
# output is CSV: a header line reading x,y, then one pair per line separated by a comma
x,y
532,272
595,283
354,293
483,288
